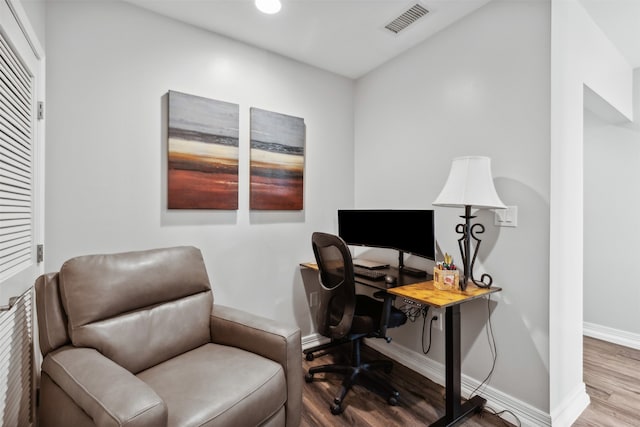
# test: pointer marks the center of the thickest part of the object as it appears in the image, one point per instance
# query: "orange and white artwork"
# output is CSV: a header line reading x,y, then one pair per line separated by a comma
x,y
202,153
277,161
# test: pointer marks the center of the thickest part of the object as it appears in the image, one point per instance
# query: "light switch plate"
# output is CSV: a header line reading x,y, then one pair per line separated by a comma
x,y
506,217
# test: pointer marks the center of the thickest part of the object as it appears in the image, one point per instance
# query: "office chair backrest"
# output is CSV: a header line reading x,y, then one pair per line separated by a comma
x,y
337,293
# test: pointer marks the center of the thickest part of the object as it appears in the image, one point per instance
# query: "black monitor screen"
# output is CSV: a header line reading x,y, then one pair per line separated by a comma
x,y
409,231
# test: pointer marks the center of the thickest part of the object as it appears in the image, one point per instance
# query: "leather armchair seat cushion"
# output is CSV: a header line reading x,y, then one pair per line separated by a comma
x,y
198,390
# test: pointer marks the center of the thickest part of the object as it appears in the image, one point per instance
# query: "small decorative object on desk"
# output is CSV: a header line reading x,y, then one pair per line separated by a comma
x,y
446,275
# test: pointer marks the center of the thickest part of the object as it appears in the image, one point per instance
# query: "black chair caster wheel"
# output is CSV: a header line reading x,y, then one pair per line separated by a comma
x,y
309,357
308,377
336,409
393,400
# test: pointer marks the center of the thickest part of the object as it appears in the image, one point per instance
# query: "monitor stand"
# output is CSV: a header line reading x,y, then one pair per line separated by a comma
x,y
410,271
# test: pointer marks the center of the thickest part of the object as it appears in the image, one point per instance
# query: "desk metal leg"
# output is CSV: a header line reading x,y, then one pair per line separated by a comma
x,y
455,411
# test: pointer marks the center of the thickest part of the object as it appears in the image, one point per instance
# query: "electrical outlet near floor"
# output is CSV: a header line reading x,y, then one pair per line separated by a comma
x,y
440,319
313,299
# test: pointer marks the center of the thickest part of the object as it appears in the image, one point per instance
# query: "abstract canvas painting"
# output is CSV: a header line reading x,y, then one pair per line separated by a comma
x,y
277,161
203,153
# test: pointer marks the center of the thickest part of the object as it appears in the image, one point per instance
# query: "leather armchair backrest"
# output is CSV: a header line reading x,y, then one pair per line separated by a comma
x,y
52,320
138,308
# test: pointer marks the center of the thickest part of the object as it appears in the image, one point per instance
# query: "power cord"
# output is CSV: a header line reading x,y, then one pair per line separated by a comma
x,y
492,347
425,311
412,312
494,353
504,411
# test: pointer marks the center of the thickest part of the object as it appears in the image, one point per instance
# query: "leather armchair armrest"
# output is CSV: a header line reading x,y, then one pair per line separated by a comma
x,y
108,393
268,338
250,332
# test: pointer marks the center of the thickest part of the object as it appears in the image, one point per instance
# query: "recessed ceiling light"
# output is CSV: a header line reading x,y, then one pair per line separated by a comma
x,y
268,6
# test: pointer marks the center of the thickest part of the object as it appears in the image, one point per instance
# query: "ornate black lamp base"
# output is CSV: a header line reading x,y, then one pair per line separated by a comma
x,y
468,232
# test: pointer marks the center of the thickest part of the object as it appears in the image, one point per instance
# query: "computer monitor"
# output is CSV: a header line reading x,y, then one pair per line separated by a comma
x,y
410,231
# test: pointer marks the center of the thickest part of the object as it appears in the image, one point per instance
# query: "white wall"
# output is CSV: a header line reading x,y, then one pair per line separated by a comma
x,y
580,55
110,66
478,87
611,158
35,10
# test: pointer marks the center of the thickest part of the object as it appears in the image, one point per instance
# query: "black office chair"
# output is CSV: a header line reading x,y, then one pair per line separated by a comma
x,y
344,316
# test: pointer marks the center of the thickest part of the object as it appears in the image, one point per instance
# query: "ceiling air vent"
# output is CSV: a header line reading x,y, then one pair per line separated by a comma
x,y
414,13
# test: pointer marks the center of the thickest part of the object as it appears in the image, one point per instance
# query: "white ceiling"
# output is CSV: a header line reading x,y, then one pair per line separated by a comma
x,y
620,21
348,37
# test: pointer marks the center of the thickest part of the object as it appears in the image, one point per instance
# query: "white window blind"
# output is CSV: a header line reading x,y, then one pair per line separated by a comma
x,y
16,163
16,358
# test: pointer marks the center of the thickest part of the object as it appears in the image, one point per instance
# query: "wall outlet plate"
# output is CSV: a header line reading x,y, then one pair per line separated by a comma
x,y
313,299
440,319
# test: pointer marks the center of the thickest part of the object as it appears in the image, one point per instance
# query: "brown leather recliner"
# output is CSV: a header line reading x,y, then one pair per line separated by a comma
x,y
134,339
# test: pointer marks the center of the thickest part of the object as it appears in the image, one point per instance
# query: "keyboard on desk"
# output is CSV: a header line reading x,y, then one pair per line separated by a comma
x,y
367,273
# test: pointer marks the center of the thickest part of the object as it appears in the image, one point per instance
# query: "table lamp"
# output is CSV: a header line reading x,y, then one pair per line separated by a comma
x,y
470,184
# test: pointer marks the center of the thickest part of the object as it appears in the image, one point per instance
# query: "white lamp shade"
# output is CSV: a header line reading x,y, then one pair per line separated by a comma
x,y
470,183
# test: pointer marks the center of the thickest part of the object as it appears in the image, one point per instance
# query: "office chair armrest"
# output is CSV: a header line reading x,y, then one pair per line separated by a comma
x,y
387,302
107,392
268,338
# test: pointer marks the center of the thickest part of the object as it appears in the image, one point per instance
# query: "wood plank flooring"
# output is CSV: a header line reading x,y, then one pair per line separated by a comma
x,y
612,376
421,400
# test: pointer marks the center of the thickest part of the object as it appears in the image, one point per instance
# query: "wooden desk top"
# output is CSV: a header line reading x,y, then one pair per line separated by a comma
x,y
426,293
401,279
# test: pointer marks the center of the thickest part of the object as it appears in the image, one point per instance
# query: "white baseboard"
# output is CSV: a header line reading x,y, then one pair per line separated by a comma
x,y
313,340
616,336
570,409
435,371
496,400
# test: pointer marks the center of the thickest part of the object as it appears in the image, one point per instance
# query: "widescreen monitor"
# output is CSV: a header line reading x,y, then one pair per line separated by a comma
x,y
408,231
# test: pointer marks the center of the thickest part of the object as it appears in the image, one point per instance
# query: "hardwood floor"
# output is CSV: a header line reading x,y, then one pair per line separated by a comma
x,y
612,376
611,373
421,400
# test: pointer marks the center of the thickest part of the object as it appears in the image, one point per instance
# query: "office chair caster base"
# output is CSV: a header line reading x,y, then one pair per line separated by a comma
x,y
392,400
309,357
308,378
336,409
